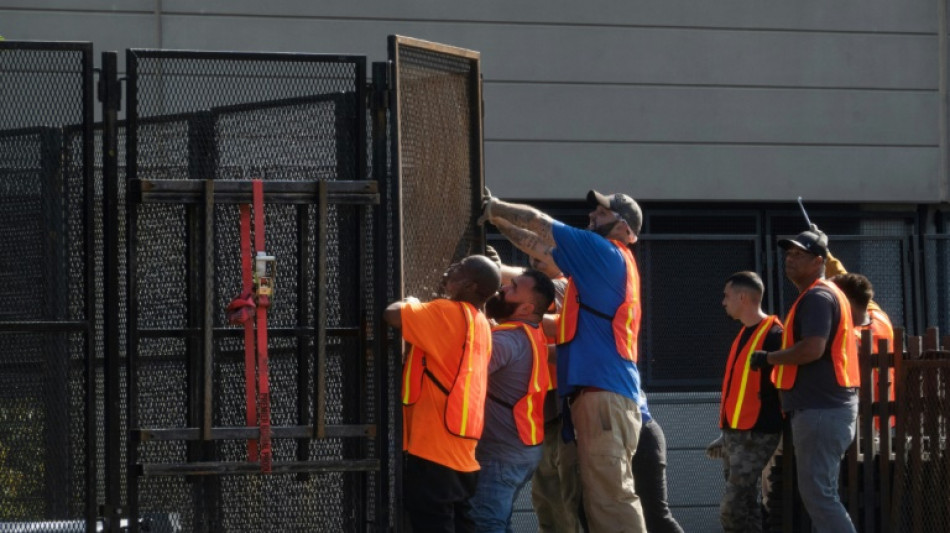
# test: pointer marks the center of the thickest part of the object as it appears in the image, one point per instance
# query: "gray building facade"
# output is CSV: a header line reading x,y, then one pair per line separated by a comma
x,y
681,100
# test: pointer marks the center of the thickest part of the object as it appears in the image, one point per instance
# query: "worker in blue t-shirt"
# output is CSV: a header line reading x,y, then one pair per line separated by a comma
x,y
597,342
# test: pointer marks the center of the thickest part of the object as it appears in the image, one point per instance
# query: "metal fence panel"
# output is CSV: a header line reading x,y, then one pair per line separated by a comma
x,y
438,119
286,119
47,467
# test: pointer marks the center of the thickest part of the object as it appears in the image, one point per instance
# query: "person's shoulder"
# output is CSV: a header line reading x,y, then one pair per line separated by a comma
x,y
819,293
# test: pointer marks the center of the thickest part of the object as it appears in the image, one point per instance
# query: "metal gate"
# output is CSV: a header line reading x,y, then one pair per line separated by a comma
x,y
49,320
201,126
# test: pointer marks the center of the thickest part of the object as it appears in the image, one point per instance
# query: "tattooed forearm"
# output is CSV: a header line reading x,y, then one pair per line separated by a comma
x,y
526,217
525,240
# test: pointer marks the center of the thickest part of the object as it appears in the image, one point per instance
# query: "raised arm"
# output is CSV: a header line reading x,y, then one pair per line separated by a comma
x,y
526,240
521,216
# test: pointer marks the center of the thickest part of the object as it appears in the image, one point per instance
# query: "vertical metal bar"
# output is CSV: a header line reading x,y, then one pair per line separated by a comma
x,y
201,166
387,450
476,144
131,322
394,187
56,372
305,377
320,401
207,330
88,176
110,97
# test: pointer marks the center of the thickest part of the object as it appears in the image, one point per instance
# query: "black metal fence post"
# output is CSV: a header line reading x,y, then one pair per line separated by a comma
x,y
110,96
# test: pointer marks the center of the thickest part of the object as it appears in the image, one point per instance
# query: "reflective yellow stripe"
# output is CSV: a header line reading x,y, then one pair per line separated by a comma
x,y
766,324
536,386
470,338
408,378
562,318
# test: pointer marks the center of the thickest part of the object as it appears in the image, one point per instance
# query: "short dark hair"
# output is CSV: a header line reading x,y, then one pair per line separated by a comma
x,y
747,280
543,290
856,287
484,273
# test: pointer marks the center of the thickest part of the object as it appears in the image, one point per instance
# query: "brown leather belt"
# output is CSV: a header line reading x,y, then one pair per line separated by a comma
x,y
572,397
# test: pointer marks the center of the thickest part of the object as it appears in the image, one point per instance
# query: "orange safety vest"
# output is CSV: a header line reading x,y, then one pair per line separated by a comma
x,y
881,328
529,410
465,403
741,403
844,348
626,319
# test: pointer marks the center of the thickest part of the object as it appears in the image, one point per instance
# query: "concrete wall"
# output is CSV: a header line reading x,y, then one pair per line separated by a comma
x,y
674,100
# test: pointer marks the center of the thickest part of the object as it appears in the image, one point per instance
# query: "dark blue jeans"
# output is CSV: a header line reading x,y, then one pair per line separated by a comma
x,y
498,484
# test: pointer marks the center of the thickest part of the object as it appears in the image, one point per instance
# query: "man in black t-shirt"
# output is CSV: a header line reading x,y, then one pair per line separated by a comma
x,y
749,413
817,377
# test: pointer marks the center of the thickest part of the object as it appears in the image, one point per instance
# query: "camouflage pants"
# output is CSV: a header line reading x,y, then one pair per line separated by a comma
x,y
745,453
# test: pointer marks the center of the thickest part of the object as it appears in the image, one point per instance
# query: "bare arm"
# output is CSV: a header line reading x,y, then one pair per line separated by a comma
x,y
522,216
549,325
526,240
802,352
393,314
509,273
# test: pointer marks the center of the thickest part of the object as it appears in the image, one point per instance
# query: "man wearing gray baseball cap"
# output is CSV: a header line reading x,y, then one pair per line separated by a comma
x,y
597,343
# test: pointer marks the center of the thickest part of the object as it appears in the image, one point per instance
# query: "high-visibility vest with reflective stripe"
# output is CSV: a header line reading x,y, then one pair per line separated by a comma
x,y
529,410
626,319
844,348
741,403
880,328
465,400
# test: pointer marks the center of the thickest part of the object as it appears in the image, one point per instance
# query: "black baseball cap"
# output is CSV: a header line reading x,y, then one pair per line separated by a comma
x,y
812,241
626,207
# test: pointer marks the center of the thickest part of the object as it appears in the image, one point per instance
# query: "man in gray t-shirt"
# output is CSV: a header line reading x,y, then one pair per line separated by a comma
x,y
817,379
519,358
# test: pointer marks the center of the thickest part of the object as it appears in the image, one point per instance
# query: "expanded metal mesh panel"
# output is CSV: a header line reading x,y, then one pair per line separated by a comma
x,y
42,84
45,107
241,117
674,272
32,214
937,282
439,147
41,412
922,482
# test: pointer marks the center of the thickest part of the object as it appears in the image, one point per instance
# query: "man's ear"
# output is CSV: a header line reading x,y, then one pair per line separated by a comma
x,y
526,309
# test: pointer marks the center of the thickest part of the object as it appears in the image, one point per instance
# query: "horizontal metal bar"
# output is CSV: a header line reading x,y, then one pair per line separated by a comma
x,y
143,53
357,192
245,433
45,326
698,237
278,467
236,332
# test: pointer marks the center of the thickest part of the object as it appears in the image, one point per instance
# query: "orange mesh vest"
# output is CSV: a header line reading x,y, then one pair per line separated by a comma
x,y
529,410
465,405
881,328
740,386
626,319
844,348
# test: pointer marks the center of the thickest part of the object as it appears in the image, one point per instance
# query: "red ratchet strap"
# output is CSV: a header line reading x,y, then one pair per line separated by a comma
x,y
250,366
253,303
263,302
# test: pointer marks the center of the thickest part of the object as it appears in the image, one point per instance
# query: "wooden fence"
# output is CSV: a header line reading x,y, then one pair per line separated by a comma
x,y
909,490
